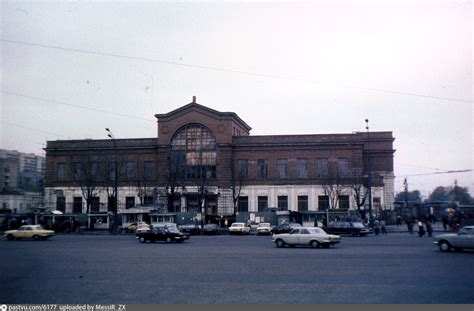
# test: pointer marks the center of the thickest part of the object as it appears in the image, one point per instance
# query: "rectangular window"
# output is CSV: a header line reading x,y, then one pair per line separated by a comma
x,y
110,204
148,200
129,202
95,170
262,203
302,203
148,170
262,169
77,205
111,171
61,204
131,170
282,202
344,202
323,168
61,171
302,168
243,169
95,206
282,167
323,202
243,204
343,167
78,172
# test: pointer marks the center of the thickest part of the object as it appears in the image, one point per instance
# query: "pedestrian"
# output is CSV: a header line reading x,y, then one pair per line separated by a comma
x,y
445,221
421,229
409,225
376,227
429,228
384,229
399,221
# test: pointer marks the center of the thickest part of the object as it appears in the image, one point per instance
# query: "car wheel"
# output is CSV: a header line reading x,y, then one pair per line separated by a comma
x,y
444,246
314,244
168,240
9,237
36,238
279,243
142,240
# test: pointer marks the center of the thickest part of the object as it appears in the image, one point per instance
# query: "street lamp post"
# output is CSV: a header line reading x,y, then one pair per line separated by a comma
x,y
369,181
115,205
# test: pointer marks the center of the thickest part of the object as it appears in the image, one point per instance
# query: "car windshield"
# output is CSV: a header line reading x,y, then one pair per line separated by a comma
x,y
237,225
265,224
172,229
358,225
37,227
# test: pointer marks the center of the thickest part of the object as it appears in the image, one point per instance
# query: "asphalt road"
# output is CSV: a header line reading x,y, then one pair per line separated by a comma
x,y
70,269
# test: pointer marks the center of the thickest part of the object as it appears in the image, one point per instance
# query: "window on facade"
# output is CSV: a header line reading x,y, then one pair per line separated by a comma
x,y
95,170
131,170
61,171
302,203
323,202
243,169
343,167
243,204
192,203
262,169
61,204
78,171
282,167
344,201
302,168
110,204
148,200
322,167
262,203
111,171
193,153
129,202
77,205
148,170
283,202
95,206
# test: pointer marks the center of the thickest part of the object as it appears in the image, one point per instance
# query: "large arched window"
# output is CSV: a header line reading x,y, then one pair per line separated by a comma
x,y
193,152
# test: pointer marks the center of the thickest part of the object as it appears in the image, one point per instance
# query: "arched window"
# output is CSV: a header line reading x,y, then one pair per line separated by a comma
x,y
193,153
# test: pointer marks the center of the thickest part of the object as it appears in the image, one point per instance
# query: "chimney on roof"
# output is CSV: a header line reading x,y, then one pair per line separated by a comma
x,y
194,99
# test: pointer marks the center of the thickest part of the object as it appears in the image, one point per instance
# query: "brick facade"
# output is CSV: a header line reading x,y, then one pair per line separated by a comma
x,y
297,155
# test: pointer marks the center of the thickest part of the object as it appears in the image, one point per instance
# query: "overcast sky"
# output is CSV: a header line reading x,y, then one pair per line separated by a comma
x,y
71,69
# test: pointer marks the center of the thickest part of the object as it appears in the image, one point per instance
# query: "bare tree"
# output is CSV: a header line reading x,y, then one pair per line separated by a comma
x,y
359,188
236,184
86,176
176,176
334,184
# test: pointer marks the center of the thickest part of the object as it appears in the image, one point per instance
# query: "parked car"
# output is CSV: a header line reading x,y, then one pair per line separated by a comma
x,y
264,228
464,238
285,228
191,229
348,228
239,228
36,232
210,229
165,234
309,236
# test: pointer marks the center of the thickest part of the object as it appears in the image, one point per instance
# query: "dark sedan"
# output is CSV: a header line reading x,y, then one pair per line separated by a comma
x,y
348,228
210,229
164,234
285,228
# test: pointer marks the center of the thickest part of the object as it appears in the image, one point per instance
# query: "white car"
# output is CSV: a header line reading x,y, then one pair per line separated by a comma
x,y
264,228
310,236
35,232
457,241
239,228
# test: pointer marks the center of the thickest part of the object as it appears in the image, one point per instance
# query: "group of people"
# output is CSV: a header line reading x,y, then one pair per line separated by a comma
x,y
422,224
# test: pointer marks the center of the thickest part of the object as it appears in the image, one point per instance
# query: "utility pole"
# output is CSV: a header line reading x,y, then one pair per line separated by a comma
x,y
369,179
115,205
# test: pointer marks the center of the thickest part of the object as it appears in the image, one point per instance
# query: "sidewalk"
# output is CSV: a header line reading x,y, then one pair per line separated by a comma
x,y
437,227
